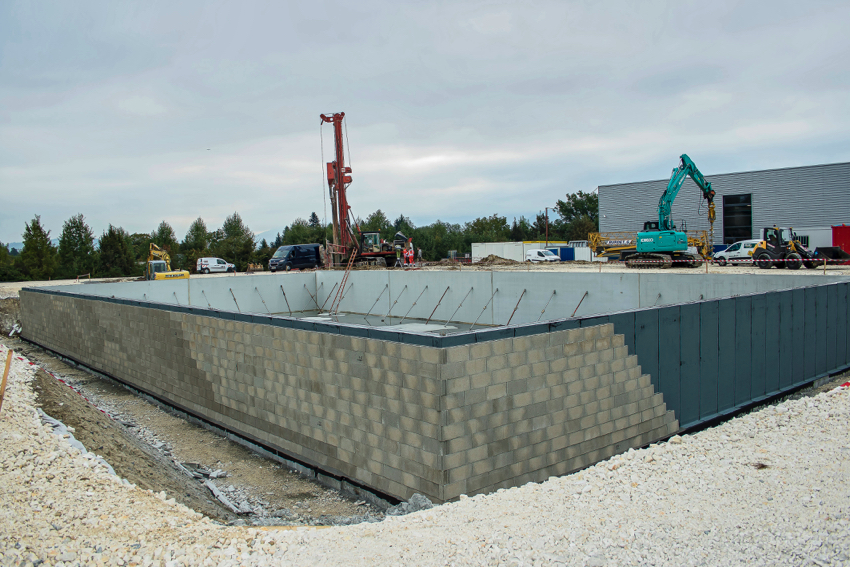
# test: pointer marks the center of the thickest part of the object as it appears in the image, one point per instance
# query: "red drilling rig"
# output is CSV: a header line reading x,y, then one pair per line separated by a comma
x,y
370,248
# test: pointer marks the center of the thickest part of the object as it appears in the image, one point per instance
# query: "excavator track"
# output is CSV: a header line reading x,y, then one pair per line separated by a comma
x,y
649,260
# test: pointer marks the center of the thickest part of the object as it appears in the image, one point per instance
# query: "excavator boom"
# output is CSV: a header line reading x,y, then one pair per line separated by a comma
x,y
665,203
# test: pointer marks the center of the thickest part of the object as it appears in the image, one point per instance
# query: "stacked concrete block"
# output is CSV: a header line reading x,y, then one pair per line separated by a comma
x,y
395,417
524,409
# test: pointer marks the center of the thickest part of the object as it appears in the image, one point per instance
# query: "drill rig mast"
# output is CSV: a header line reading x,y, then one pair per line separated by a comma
x,y
338,181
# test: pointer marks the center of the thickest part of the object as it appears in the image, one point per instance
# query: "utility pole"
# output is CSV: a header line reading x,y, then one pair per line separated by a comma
x,y
547,222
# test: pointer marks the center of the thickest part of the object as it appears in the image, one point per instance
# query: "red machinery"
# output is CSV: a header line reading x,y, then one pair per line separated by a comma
x,y
371,248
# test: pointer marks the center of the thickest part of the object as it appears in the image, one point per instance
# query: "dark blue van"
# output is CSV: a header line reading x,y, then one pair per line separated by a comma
x,y
296,257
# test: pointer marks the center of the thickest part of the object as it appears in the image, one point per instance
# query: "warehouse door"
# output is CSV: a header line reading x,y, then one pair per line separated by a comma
x,y
737,218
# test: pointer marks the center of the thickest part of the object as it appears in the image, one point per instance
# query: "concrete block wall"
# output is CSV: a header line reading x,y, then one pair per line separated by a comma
x,y
523,409
396,417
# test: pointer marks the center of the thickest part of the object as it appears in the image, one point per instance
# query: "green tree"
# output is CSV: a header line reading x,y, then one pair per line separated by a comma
x,y
488,229
581,227
264,253
299,232
578,205
76,248
520,230
38,255
196,243
314,220
234,242
9,271
165,238
116,257
140,245
378,221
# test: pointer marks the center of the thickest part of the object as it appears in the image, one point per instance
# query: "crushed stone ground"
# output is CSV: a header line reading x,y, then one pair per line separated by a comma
x,y
767,488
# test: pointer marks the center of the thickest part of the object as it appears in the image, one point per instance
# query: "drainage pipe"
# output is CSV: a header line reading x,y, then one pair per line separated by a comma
x,y
394,302
264,301
412,306
579,304
438,304
547,305
483,310
458,307
234,299
515,308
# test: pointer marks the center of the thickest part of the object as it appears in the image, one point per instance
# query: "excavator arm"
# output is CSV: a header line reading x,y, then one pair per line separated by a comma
x,y
157,253
665,204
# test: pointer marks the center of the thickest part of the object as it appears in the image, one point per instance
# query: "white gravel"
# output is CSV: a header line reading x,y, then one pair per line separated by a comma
x,y
704,499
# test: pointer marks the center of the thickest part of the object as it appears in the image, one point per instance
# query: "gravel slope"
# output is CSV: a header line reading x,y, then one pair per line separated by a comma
x,y
768,488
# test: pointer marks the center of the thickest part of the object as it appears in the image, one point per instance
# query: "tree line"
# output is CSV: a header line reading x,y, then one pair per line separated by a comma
x,y
116,253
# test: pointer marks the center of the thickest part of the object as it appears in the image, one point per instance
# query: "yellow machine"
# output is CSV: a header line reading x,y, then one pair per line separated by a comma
x,y
159,266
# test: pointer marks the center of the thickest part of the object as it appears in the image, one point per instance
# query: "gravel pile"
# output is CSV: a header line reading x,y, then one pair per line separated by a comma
x,y
768,488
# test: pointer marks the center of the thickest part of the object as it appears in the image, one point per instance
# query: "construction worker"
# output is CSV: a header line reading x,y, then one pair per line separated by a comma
x,y
419,259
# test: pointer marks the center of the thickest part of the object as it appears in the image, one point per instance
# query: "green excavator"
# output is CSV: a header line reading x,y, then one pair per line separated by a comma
x,y
660,244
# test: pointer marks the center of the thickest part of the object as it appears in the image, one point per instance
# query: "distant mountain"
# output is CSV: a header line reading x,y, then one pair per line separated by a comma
x,y
20,245
269,235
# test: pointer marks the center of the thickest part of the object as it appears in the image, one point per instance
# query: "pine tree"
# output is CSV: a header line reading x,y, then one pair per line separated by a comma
x,y
76,248
116,256
314,220
39,255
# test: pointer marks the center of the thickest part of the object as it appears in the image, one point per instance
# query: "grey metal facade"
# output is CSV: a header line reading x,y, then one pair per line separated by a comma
x,y
809,196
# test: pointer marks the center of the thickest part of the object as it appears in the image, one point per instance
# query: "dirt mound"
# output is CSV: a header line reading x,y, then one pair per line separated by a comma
x,y
493,260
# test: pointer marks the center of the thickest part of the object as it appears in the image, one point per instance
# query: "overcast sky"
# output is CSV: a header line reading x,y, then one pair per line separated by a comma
x,y
132,113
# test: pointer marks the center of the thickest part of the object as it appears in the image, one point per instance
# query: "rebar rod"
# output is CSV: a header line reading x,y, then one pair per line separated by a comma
x,y
344,292
394,302
287,301
458,307
205,299
547,305
263,300
515,308
438,304
234,299
377,300
412,306
485,309
308,292
656,300
582,299
328,297
175,298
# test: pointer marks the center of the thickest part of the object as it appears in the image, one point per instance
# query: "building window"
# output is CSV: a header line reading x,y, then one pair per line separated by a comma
x,y
804,239
737,218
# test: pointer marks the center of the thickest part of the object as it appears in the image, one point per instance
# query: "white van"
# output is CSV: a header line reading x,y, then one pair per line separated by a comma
x,y
207,265
541,255
737,253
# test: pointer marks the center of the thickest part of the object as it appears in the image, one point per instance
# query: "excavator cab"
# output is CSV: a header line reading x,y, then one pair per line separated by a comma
x,y
651,226
370,242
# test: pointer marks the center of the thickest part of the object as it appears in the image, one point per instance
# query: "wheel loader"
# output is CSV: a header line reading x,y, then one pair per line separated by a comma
x,y
780,247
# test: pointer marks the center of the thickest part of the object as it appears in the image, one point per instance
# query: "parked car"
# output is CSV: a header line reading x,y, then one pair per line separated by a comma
x,y
207,265
295,257
541,255
737,253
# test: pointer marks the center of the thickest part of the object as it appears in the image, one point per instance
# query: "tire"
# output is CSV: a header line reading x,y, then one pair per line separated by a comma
x,y
793,261
810,265
720,262
272,270
205,270
763,261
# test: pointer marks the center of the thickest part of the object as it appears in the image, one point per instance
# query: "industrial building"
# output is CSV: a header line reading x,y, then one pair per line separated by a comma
x,y
810,199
